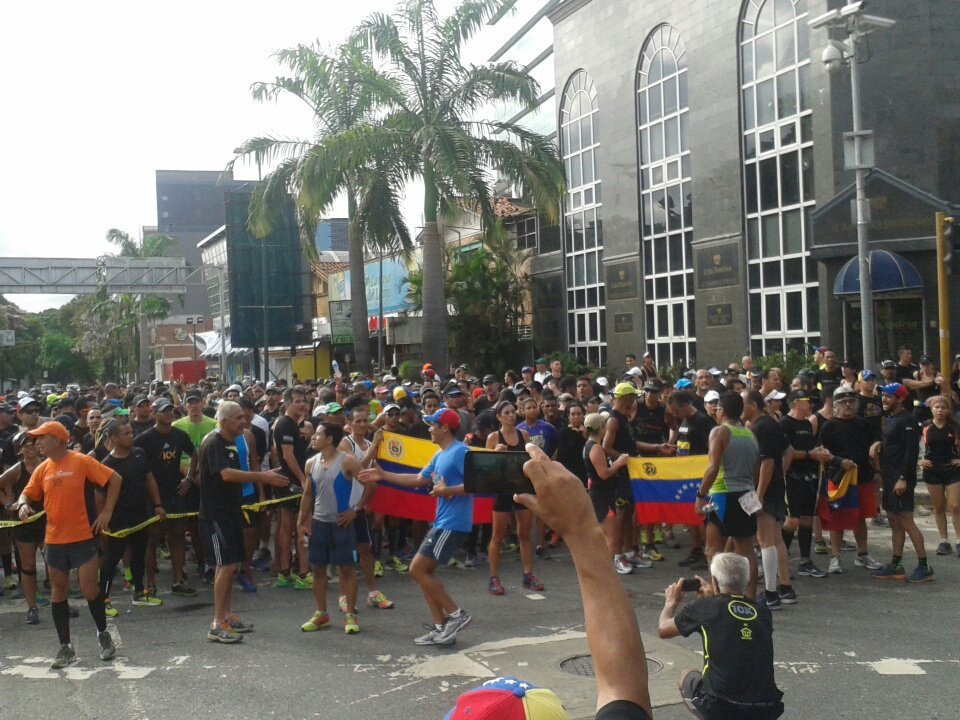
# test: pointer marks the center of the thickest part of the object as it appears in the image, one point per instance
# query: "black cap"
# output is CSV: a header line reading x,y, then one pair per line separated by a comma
x,y
193,395
847,363
139,400
7,408
488,379
925,360
653,385
888,364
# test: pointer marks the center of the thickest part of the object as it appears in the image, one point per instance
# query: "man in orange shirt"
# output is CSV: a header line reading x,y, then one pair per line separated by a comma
x,y
59,482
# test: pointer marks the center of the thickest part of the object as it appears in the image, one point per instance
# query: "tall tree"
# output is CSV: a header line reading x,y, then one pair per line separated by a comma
x,y
342,91
432,128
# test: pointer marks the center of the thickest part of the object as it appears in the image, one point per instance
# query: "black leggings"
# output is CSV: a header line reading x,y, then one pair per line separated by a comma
x,y
115,547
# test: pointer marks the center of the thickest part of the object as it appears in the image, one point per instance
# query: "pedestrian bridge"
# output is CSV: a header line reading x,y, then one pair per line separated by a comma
x,y
85,276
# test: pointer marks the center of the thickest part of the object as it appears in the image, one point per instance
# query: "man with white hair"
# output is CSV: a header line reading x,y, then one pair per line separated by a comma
x,y
740,682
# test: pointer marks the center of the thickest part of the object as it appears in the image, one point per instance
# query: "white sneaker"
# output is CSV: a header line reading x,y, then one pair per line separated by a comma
x,y
865,561
835,567
622,566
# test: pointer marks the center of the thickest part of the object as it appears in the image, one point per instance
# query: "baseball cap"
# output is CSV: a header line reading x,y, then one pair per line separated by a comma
x,y
775,395
399,393
508,697
541,361
888,364
52,427
139,400
429,373
526,369
334,407
390,406
648,354
447,417
711,397
634,371
234,388
603,382
453,391
683,384
868,375
895,389
925,360
192,395
653,385
24,401
427,366
843,392
847,363
161,404
488,379
799,396
623,389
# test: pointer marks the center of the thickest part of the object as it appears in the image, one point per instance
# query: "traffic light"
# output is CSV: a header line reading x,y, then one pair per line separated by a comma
x,y
951,245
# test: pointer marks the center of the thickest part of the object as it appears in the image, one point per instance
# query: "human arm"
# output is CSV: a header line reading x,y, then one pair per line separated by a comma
x,y
290,460
673,595
611,429
113,494
441,489
612,632
766,475
153,492
599,461
6,484
719,439
273,477
376,474
306,505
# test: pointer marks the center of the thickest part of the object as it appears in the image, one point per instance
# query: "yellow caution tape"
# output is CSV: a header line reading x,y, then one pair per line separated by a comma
x,y
15,523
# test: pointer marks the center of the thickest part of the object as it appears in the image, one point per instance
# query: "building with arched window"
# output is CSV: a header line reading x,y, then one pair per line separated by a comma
x,y
728,102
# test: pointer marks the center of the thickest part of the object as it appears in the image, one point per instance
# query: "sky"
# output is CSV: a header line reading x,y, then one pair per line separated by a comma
x,y
98,96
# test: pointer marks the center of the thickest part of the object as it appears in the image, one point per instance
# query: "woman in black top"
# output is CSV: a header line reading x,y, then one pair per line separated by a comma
x,y
603,487
941,469
571,439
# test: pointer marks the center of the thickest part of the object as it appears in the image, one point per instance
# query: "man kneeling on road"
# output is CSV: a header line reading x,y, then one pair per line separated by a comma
x,y
739,656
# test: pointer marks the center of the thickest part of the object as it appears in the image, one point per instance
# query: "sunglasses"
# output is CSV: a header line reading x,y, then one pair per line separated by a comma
x,y
28,442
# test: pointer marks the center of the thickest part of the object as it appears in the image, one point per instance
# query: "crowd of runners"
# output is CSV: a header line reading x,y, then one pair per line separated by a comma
x,y
124,488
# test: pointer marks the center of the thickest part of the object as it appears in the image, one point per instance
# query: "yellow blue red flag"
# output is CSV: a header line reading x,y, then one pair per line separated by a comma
x,y
665,489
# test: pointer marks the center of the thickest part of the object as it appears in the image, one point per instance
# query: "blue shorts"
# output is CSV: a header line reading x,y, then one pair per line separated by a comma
x,y
361,524
440,545
70,556
331,544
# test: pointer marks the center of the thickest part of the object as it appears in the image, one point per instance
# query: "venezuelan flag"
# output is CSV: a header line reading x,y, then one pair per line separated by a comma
x,y
665,489
839,503
401,454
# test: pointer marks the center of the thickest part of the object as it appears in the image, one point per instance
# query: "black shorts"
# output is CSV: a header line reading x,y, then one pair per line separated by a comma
x,y
710,707
894,503
361,524
943,475
624,490
174,503
504,503
32,533
69,556
223,540
291,490
730,518
801,497
604,499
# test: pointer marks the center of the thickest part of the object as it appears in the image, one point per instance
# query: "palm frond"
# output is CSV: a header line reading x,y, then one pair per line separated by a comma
x,y
267,150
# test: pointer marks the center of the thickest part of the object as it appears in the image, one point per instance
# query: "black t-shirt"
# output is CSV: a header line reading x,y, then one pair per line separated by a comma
x,y
624,442
219,499
738,661
850,439
622,710
9,457
901,447
133,502
418,430
570,444
693,436
799,435
140,427
905,371
286,431
871,408
260,438
651,425
164,451
830,377
772,443
270,415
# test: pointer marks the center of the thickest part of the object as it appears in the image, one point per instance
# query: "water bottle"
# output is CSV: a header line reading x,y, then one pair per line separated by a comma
x,y
336,368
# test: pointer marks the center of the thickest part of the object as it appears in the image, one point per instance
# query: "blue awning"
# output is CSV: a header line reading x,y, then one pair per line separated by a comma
x,y
889,273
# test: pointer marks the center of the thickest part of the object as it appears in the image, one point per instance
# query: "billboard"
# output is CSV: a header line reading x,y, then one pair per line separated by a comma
x,y
395,285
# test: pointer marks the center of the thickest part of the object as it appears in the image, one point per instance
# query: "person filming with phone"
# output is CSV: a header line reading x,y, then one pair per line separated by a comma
x,y
737,680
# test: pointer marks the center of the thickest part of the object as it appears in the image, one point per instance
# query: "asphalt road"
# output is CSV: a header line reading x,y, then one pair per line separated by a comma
x,y
852,647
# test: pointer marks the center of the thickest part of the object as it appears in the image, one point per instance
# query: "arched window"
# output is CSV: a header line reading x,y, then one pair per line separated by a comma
x,y
666,200
776,124
583,236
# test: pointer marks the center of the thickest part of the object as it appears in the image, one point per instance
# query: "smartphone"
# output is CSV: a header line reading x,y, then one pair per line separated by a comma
x,y
690,585
489,473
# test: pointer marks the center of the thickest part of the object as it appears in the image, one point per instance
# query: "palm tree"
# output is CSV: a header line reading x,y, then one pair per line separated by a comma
x,y
342,91
432,129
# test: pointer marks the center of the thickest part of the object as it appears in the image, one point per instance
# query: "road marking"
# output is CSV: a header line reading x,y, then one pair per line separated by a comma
x,y
884,666
898,666
536,596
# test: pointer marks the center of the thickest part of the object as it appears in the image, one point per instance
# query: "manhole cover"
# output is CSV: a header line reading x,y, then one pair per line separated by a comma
x,y
582,666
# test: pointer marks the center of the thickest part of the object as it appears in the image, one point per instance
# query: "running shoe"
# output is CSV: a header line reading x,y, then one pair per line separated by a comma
x,y
65,657
182,589
453,626
495,587
342,603
672,541
163,551
223,633
541,552
890,572
820,547
638,560
74,611
246,582
453,563
651,553
880,521
209,576
319,621
555,540
865,561
237,625
509,547
350,624
109,609
285,580
33,616
772,601
808,569
470,560
108,651
530,582
622,566
261,560
379,600
835,568
695,556
10,583
304,583
430,638
923,573
658,536
847,546
397,564
145,599
377,568
788,596
944,548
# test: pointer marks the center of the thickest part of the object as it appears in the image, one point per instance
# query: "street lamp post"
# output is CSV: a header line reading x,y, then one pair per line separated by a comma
x,y
858,145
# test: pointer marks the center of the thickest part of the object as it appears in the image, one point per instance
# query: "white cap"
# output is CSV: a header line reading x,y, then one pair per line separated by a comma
x,y
634,371
603,382
711,396
22,394
775,395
